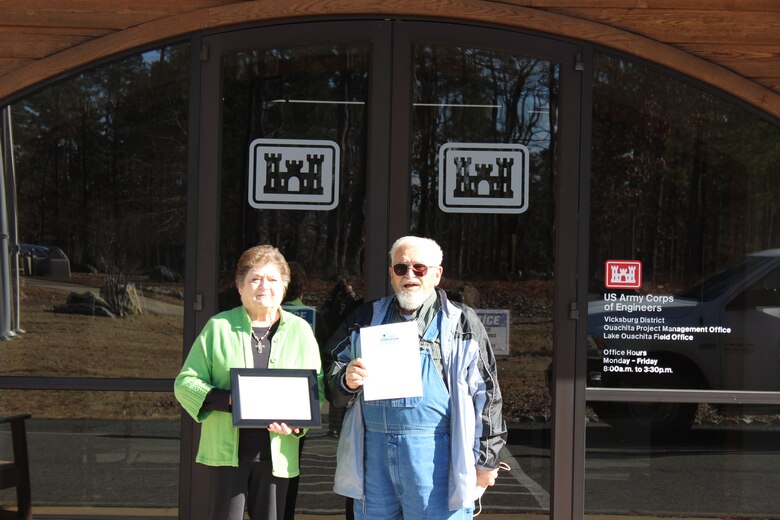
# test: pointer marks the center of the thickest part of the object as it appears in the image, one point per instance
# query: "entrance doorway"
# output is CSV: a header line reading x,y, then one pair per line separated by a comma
x,y
330,140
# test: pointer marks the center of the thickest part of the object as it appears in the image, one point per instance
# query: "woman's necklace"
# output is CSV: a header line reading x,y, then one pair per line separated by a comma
x,y
259,345
259,341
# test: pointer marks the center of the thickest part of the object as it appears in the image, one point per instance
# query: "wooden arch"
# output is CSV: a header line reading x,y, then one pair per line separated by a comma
x,y
39,72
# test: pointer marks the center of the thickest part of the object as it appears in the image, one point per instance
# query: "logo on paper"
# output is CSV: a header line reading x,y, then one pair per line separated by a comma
x,y
623,274
293,174
483,178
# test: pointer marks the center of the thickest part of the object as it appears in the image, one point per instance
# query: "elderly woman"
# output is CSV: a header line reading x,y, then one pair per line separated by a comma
x,y
250,466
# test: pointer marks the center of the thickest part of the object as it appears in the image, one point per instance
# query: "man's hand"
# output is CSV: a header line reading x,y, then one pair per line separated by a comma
x,y
356,372
486,477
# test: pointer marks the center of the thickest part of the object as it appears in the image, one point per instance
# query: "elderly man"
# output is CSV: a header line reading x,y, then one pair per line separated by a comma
x,y
420,457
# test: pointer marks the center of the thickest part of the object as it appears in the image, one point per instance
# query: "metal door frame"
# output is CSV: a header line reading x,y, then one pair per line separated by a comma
x,y
388,157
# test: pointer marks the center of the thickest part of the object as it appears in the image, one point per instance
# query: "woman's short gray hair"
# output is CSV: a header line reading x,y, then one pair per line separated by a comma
x,y
427,244
264,254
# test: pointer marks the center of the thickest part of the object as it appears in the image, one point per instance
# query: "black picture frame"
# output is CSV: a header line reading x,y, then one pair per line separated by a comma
x,y
291,397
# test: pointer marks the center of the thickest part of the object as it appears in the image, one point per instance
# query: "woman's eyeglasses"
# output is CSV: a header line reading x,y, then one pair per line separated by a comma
x,y
419,270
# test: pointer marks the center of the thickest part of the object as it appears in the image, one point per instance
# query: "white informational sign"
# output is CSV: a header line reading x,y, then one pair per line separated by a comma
x,y
496,322
391,354
293,174
303,311
483,178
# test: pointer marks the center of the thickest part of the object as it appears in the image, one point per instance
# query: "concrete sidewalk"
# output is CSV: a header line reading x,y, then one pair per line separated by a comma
x,y
128,513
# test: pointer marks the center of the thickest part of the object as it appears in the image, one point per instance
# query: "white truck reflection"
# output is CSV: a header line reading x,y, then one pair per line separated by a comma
x,y
722,334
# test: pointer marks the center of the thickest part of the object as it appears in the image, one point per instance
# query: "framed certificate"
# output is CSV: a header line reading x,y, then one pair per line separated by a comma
x,y
262,396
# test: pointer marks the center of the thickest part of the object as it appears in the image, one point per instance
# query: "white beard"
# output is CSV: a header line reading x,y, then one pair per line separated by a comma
x,y
411,301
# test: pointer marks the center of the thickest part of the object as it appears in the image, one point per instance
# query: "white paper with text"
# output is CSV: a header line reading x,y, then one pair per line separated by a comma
x,y
391,354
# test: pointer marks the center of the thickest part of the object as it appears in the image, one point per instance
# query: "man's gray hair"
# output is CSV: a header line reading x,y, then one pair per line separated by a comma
x,y
426,244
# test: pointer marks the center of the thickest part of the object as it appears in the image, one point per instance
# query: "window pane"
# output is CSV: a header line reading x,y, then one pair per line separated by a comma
x,y
101,167
498,263
296,99
725,467
685,275
684,187
297,96
98,449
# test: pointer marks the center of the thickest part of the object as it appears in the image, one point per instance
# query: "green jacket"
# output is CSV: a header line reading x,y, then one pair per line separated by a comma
x,y
224,343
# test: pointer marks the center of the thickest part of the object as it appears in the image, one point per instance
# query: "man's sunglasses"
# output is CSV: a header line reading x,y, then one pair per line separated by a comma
x,y
419,270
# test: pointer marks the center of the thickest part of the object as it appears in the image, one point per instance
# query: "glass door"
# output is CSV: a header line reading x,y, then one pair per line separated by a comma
x,y
330,140
487,169
289,157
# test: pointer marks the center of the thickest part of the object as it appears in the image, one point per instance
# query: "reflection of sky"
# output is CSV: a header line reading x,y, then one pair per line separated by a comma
x,y
151,56
507,111
532,117
532,130
311,74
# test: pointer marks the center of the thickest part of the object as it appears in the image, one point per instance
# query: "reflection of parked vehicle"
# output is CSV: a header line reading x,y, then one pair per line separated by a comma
x,y
37,252
42,260
722,334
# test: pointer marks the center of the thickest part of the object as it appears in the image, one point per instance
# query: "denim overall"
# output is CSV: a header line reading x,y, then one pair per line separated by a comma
x,y
407,450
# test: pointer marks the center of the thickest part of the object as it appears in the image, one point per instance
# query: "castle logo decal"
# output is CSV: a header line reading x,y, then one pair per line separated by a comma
x,y
293,174
623,274
483,178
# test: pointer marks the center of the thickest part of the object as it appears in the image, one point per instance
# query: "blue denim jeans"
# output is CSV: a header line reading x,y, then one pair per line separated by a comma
x,y
407,455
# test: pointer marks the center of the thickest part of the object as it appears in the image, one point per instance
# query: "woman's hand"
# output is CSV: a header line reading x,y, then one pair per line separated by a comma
x,y
283,429
355,374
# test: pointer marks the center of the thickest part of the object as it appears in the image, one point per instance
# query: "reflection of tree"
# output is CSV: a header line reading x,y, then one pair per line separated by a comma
x,y
258,89
681,179
474,95
101,162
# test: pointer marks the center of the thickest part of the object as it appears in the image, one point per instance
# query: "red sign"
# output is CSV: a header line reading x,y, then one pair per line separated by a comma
x,y
623,274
